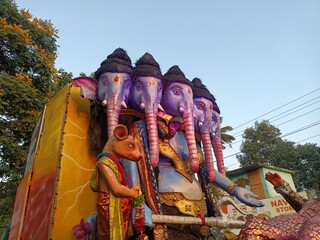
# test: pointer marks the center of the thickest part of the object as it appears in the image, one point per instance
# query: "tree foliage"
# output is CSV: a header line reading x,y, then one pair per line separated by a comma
x,y
28,78
260,143
263,144
309,166
226,139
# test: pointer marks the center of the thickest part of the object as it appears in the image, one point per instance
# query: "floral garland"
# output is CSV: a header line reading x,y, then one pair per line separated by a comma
x,y
139,217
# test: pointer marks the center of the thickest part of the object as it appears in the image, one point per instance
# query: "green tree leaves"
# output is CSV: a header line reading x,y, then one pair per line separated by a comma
x,y
260,143
309,166
20,105
28,78
226,139
263,144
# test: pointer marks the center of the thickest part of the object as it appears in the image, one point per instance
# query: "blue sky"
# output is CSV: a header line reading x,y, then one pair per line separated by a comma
x,y
254,56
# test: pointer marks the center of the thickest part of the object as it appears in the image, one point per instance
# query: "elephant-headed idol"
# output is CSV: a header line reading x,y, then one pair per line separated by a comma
x,y
146,95
178,102
207,125
180,191
108,91
145,98
170,185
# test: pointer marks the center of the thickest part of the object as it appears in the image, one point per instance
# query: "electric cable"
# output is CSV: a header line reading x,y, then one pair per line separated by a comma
x,y
287,134
294,108
283,135
277,109
234,143
297,117
308,138
300,129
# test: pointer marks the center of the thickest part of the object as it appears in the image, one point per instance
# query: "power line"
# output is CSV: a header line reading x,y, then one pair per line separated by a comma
x,y
277,108
236,142
297,117
232,164
300,129
296,110
308,138
283,122
285,135
240,152
231,155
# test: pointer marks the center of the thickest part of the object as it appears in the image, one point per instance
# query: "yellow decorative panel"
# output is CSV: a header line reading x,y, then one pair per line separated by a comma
x,y
47,155
75,199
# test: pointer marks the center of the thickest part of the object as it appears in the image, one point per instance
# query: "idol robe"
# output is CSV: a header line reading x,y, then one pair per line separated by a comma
x,y
113,212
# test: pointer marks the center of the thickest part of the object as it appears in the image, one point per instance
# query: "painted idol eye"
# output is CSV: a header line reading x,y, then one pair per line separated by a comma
x,y
138,86
176,91
200,106
104,81
127,84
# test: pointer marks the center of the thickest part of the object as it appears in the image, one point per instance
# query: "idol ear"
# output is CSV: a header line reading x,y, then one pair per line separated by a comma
x,y
120,132
88,86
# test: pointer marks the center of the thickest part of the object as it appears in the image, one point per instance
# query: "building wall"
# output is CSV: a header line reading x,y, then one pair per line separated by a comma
x,y
256,183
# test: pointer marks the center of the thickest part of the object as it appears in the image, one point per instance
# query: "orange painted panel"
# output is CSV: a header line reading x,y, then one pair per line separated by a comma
x,y
39,210
19,208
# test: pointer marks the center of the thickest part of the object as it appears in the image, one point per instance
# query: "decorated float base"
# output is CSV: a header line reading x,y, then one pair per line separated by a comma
x,y
55,193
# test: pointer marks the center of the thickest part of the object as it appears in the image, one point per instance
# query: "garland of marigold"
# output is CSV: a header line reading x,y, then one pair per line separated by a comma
x,y
139,217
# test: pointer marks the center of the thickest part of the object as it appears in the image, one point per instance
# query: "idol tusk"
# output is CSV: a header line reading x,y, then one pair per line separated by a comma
x,y
160,107
123,104
104,102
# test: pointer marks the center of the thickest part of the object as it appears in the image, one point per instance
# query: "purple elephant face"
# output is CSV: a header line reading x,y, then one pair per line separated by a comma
x,y
114,88
178,102
216,129
207,125
204,114
146,94
178,99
